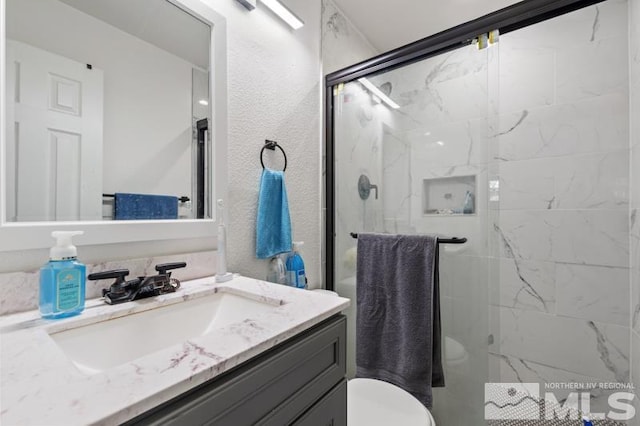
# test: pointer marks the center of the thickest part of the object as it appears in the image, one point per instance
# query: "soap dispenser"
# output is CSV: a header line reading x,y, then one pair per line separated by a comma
x,y
295,268
62,279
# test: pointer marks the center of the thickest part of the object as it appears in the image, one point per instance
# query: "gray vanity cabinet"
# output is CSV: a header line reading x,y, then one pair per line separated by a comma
x,y
329,411
299,382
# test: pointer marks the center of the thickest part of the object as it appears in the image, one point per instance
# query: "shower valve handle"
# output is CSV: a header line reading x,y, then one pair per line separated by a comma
x,y
365,186
372,186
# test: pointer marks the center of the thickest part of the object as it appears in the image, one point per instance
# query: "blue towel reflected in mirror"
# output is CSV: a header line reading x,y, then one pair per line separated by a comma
x,y
145,206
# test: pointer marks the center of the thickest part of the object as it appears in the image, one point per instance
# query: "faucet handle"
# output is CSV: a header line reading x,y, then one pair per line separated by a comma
x,y
118,274
118,288
164,267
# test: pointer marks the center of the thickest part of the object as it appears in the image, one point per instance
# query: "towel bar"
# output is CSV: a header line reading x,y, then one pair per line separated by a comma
x,y
182,199
454,240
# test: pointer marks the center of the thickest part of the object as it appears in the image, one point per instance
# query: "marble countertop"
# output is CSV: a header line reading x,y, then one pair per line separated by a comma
x,y
40,385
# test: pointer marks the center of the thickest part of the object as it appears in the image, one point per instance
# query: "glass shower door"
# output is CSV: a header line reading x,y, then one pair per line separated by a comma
x,y
411,157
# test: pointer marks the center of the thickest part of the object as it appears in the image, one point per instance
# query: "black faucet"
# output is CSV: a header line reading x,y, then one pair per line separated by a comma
x,y
138,288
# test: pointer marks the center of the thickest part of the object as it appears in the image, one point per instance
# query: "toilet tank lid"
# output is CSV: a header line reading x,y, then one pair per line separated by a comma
x,y
453,350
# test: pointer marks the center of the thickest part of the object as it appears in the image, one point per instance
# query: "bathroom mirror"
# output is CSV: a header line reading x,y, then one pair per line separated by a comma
x,y
114,114
106,97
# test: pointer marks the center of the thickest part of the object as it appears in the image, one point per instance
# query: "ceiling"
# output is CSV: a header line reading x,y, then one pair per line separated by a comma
x,y
157,22
390,24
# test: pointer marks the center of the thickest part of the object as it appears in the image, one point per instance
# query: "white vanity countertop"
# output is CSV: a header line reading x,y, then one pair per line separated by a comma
x,y
41,386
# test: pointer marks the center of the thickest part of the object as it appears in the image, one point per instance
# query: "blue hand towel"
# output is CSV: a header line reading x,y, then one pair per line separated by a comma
x,y
145,206
273,226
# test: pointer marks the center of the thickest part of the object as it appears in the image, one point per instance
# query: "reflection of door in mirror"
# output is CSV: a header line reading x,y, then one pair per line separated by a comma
x,y
80,137
56,136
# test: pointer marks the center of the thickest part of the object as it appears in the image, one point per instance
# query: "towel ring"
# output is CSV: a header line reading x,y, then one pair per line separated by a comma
x,y
272,145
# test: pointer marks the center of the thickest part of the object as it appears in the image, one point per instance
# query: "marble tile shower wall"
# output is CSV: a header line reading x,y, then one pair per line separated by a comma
x,y
634,80
562,237
360,127
558,241
342,45
442,137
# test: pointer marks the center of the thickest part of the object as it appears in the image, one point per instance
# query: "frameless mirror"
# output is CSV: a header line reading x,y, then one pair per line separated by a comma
x,y
107,111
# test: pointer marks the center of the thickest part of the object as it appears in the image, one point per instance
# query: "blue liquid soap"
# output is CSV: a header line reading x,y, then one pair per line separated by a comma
x,y
62,280
296,276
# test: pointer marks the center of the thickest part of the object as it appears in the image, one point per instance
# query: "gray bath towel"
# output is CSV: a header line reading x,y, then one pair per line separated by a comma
x,y
398,312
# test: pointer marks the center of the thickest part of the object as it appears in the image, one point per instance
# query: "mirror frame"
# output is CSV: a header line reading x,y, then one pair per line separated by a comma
x,y
37,235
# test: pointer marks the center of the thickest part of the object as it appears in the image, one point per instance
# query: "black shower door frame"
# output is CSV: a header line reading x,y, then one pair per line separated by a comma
x,y
519,15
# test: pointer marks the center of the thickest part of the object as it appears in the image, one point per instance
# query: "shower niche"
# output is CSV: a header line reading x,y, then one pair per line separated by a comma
x,y
449,196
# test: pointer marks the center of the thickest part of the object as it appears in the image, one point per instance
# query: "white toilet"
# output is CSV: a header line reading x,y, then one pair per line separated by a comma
x,y
373,402
455,355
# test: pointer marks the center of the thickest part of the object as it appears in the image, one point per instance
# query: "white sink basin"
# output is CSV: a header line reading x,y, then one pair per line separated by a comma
x,y
103,345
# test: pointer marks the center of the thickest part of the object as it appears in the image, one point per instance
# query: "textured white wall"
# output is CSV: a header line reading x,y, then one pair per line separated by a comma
x,y
274,93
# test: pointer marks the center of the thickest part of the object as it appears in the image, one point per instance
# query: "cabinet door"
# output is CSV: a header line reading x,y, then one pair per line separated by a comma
x,y
274,388
331,410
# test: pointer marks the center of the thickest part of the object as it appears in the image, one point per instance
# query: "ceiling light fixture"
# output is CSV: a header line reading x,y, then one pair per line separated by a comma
x,y
279,9
285,14
373,89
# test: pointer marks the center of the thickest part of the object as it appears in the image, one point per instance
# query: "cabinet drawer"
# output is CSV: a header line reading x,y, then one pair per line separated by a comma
x,y
331,410
273,388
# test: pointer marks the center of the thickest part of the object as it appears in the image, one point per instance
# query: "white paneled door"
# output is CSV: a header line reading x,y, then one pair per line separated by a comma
x,y
54,136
